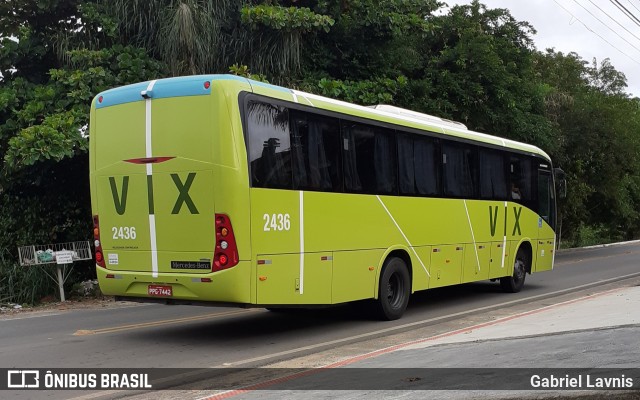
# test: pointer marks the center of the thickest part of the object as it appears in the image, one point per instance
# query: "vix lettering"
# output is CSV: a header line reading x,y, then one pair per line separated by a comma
x,y
120,196
493,220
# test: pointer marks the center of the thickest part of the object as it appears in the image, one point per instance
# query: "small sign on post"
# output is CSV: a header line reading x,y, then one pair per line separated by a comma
x,y
64,257
62,254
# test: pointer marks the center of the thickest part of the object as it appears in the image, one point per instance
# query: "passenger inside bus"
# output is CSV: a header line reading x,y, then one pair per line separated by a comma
x,y
515,192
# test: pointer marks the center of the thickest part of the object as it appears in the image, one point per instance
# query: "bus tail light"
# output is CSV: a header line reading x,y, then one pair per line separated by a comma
x,y
97,243
226,253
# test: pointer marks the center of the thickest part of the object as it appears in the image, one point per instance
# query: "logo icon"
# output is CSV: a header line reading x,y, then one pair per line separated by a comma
x,y
18,379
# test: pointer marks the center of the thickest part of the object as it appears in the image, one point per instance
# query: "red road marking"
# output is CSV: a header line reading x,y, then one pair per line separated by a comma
x,y
271,382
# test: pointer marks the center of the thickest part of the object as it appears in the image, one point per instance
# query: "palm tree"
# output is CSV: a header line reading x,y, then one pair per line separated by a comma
x,y
206,36
189,35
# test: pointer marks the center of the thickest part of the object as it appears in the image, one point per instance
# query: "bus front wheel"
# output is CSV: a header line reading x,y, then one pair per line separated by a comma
x,y
514,283
394,289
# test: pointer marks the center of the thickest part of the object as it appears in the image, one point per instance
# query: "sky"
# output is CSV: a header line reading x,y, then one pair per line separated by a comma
x,y
590,28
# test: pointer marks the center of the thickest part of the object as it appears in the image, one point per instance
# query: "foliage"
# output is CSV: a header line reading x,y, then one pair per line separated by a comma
x,y
190,36
285,19
596,127
589,235
48,121
207,36
55,138
370,39
480,68
243,70
276,36
49,205
369,92
45,98
12,282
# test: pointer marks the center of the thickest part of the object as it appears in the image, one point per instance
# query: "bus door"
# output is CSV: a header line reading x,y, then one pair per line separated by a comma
x,y
546,220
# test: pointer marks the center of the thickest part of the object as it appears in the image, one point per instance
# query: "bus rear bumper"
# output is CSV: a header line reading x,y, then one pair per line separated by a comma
x,y
227,286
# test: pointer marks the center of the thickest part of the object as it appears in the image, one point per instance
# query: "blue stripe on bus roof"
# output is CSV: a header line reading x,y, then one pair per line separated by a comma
x,y
170,87
121,95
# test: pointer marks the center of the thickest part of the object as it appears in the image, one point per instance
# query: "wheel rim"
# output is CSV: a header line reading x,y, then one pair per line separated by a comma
x,y
395,290
518,270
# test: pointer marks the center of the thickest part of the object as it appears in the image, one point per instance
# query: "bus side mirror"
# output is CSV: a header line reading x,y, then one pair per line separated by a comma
x,y
561,182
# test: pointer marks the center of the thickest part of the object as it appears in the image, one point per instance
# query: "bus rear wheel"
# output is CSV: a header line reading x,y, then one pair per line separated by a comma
x,y
394,289
514,283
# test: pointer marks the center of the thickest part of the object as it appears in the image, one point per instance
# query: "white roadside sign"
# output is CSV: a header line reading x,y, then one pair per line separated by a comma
x,y
64,257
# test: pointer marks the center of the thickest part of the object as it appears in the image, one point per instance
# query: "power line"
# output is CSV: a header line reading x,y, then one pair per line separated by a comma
x,y
626,11
614,20
633,5
608,27
597,34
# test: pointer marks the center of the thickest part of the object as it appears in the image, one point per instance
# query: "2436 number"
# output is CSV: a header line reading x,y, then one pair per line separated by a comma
x,y
124,232
276,222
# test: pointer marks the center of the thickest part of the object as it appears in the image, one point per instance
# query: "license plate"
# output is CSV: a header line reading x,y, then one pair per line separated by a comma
x,y
160,290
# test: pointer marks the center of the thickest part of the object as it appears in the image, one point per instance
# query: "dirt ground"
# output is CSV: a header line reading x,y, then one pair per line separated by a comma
x,y
7,310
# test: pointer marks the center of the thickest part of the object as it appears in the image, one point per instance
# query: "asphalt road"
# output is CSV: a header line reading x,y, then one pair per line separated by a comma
x,y
196,337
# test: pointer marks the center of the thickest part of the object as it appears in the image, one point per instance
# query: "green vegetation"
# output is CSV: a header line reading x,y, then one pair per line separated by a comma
x,y
470,64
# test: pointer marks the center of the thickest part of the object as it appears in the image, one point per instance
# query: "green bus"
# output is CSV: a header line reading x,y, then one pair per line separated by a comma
x,y
222,190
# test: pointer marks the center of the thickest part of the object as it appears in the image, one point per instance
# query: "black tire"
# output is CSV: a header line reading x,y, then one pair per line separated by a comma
x,y
394,290
514,283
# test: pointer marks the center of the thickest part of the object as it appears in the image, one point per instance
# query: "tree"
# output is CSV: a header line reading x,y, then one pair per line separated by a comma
x,y
479,72
196,37
371,54
596,126
54,57
371,39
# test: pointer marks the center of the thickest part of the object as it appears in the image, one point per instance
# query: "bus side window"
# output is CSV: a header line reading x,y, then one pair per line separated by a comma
x,y
269,145
493,179
369,158
418,166
459,169
520,178
315,142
